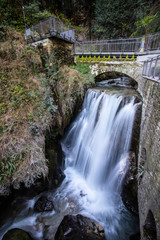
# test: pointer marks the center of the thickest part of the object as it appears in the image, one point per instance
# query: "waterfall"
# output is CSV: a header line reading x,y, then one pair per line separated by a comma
x,y
96,147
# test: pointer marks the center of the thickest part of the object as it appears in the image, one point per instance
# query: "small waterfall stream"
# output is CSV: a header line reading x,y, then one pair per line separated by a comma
x,y
96,147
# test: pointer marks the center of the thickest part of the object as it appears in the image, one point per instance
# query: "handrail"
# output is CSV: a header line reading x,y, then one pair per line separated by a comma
x,y
48,28
122,45
53,27
151,68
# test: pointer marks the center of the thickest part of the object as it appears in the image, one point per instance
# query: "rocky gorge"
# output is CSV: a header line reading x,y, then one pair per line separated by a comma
x,y
141,179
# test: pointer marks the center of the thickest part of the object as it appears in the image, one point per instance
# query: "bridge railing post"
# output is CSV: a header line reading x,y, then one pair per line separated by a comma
x,y
41,27
51,25
150,65
61,27
32,31
83,48
100,46
156,61
151,68
54,24
68,29
144,69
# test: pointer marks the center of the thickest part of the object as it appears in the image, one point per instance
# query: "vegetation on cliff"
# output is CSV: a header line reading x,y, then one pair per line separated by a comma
x,y
33,98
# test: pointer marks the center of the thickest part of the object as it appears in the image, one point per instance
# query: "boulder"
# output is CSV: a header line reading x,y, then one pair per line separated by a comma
x,y
43,204
16,234
79,227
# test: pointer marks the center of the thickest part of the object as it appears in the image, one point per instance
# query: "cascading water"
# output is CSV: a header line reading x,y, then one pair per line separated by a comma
x,y
95,148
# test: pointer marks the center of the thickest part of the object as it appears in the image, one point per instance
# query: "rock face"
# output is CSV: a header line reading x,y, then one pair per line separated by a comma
x,y
129,189
79,227
43,205
16,234
149,161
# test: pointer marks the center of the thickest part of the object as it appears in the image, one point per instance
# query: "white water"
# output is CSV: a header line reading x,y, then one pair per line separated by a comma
x,y
95,147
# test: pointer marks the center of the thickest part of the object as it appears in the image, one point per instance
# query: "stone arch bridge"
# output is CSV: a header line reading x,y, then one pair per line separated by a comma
x,y
140,69
131,69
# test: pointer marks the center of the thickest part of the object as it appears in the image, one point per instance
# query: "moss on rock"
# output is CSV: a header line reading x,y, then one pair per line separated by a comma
x,y
16,234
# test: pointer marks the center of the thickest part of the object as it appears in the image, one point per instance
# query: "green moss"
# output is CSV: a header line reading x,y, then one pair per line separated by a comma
x,y
16,234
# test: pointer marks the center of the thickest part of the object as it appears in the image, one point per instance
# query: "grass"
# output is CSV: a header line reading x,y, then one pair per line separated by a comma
x,y
20,109
84,70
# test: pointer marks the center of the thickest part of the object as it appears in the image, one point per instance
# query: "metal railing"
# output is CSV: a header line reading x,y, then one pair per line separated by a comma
x,y
151,68
152,42
139,45
49,28
109,46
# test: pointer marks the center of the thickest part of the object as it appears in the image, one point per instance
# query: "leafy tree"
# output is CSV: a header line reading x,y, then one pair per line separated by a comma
x,y
117,18
34,14
149,22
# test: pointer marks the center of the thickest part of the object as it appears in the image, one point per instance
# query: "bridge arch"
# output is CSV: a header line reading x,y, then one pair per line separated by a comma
x,y
132,70
114,77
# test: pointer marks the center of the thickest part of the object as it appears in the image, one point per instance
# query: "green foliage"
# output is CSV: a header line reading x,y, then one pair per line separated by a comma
x,y
34,14
10,163
140,173
104,58
49,82
147,24
11,14
84,70
113,19
17,94
127,58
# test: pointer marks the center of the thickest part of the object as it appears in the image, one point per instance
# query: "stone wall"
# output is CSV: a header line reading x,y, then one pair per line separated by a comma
x,y
149,161
50,43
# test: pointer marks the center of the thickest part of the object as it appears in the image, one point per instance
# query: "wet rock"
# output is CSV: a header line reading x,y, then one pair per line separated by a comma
x,y
79,227
129,187
16,234
135,237
134,147
43,205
